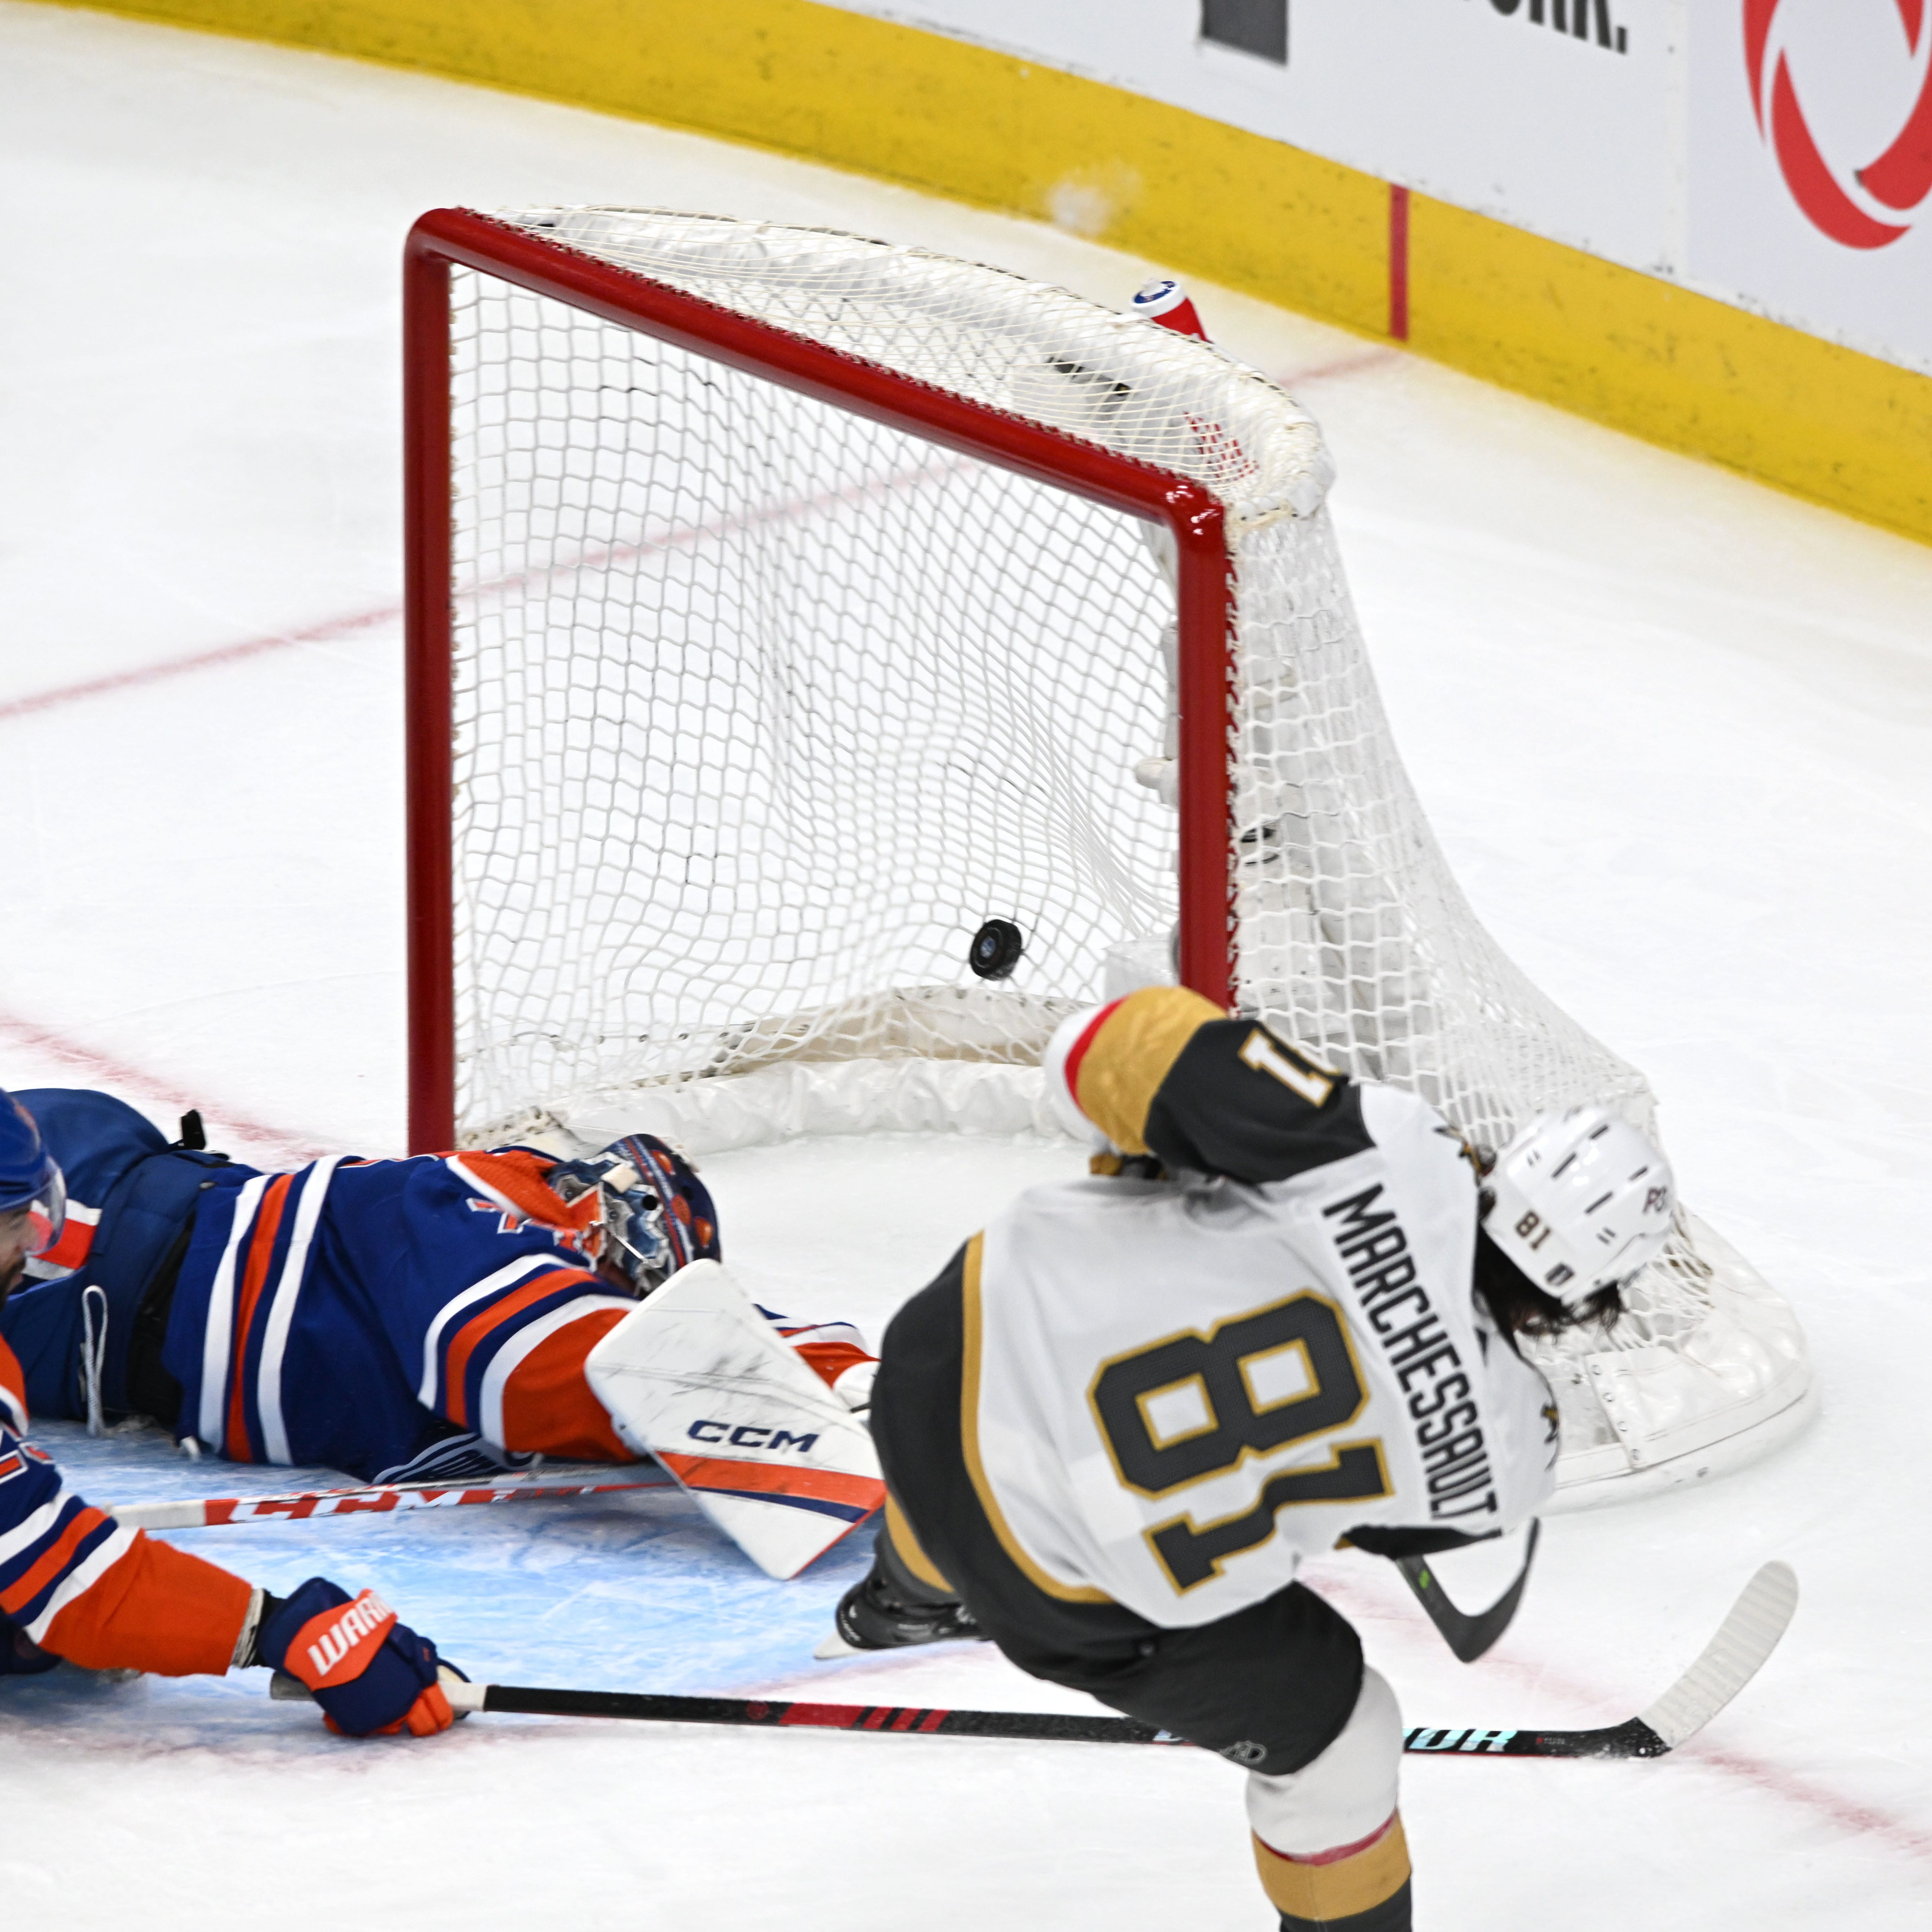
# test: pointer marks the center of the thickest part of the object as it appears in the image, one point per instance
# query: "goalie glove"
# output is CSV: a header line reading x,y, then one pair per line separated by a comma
x,y
372,1675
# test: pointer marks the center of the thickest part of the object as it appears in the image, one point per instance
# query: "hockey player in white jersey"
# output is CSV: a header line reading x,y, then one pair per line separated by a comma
x,y
1279,1316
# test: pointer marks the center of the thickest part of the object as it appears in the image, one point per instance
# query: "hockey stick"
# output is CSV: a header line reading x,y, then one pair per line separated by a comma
x,y
1468,1636
1730,1660
1744,1639
303,1506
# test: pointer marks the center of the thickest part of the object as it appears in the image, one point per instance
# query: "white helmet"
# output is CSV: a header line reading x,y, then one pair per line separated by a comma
x,y
1582,1201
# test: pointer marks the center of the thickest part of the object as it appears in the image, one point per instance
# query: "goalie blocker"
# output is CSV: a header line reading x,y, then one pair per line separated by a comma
x,y
1122,1415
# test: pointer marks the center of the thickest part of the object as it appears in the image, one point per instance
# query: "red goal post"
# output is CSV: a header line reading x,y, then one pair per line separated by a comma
x,y
447,237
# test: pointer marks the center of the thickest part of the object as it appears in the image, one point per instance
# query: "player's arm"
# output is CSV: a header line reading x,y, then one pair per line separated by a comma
x,y
74,1583
1166,1073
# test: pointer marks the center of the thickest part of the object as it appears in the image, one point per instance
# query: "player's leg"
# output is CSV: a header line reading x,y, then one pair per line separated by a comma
x,y
1328,1838
903,1599
1281,1688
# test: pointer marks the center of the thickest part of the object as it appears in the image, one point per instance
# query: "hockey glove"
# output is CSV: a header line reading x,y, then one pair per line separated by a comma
x,y
371,1674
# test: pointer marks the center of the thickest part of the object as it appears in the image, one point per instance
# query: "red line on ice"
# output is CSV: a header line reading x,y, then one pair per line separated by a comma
x,y
102,1068
128,680
938,469
1342,365
1847,1812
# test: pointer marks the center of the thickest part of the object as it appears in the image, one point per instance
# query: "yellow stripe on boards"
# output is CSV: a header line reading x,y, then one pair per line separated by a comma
x,y
1629,349
962,121
1675,368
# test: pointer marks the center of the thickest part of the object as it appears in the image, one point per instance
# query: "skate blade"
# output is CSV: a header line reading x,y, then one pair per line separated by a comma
x,y
832,1644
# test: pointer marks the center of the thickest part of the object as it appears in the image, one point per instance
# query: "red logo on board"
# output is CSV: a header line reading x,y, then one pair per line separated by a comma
x,y
1864,210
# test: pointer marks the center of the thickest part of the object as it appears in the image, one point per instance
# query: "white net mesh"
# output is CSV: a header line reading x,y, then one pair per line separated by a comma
x,y
764,709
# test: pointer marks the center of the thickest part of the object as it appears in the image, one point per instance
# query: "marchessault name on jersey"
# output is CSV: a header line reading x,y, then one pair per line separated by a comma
x,y
1428,1368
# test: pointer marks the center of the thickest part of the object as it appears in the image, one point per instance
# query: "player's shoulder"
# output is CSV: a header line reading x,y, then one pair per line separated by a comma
x,y
95,1137
1087,1195
1396,1121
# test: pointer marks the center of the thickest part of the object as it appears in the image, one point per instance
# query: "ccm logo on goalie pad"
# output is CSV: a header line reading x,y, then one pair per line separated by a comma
x,y
749,1435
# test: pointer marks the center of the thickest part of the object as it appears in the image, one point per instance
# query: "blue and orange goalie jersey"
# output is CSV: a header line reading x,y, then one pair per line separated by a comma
x,y
426,1317
391,1315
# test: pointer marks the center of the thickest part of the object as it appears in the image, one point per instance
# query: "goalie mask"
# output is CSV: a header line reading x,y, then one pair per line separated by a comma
x,y
654,1215
1582,1201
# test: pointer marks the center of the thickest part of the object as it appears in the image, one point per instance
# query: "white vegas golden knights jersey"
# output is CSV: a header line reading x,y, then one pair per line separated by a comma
x,y
1174,1391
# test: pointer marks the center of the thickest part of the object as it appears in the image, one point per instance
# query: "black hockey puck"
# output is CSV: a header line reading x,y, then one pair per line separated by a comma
x,y
996,949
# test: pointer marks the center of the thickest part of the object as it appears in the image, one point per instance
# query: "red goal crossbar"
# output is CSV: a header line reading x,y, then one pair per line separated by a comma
x,y
456,237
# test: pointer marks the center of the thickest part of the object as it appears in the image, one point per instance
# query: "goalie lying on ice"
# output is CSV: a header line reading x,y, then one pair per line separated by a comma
x,y
1280,1314
429,1320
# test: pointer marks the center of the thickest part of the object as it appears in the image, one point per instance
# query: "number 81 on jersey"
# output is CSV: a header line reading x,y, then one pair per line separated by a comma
x,y
1191,1407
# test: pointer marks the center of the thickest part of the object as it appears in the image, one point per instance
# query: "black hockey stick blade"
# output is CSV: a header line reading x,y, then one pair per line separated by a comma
x,y
1744,1639
1748,1635
1468,1636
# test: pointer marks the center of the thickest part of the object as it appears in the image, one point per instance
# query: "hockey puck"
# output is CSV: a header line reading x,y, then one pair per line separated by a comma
x,y
996,949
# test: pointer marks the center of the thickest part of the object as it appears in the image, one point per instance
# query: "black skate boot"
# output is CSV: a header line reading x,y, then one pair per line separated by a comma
x,y
872,1615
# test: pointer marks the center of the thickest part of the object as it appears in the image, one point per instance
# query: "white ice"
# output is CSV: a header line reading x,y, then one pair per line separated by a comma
x,y
1673,727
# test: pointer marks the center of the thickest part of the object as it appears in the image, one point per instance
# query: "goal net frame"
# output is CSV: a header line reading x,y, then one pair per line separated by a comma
x,y
1311,891
449,238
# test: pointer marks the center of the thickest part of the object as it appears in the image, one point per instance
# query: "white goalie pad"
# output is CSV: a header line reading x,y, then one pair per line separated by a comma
x,y
697,1378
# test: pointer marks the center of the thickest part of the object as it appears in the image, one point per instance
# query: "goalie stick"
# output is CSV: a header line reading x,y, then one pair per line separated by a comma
x,y
306,1505
1729,1660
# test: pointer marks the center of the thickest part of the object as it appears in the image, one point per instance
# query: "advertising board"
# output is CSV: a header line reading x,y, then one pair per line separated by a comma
x,y
1775,153
1810,166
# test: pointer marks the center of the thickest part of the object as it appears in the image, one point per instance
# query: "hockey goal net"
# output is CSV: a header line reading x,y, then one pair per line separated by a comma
x,y
831,664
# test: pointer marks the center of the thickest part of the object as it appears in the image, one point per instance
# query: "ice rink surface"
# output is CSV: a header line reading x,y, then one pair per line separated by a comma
x,y
1675,730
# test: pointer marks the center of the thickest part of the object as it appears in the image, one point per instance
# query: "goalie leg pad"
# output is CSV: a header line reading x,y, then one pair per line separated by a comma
x,y
697,1377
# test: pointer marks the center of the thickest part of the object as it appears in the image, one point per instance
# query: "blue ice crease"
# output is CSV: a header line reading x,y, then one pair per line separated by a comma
x,y
631,1593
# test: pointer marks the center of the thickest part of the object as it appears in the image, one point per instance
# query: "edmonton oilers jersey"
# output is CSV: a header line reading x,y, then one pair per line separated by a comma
x,y
373,1316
